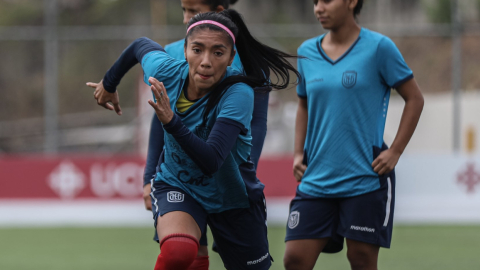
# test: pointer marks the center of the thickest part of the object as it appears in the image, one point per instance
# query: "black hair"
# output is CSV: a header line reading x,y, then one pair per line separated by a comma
x,y
215,3
358,8
258,60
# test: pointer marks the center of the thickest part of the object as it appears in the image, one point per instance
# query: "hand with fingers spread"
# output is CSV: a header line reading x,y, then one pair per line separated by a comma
x,y
162,106
298,167
386,161
104,98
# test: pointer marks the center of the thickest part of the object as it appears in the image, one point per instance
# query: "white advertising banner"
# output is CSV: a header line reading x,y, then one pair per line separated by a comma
x,y
438,189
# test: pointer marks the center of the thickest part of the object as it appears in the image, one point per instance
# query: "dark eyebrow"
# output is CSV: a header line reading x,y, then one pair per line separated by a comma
x,y
198,43
219,46
214,46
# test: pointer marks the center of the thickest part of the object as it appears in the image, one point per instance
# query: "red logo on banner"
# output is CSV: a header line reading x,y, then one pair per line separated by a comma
x,y
469,177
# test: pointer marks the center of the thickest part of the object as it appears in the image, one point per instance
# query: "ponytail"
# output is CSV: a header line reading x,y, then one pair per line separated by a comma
x,y
258,59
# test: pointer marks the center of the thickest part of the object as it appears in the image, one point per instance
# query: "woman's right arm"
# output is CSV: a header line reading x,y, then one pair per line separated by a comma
x,y
300,134
105,91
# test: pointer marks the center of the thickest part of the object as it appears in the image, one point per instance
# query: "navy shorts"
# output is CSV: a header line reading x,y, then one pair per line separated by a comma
x,y
366,218
240,234
166,198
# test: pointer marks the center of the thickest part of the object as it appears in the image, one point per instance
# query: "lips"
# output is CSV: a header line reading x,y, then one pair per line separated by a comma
x,y
204,77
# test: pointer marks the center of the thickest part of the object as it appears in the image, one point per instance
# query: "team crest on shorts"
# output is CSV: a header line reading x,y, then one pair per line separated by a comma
x,y
349,79
294,219
175,196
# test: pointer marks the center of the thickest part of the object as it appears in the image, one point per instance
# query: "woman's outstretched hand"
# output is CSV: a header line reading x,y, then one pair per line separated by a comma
x,y
106,99
162,106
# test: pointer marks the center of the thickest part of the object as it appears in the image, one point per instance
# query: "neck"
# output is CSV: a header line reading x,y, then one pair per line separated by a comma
x,y
345,33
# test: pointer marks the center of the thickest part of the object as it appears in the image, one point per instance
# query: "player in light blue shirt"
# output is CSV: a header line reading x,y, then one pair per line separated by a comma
x,y
205,174
344,168
259,116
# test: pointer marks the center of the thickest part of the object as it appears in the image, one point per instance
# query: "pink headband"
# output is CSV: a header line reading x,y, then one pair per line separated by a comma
x,y
214,23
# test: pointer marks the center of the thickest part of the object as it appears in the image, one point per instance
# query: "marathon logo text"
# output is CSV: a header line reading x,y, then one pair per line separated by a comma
x,y
363,229
258,261
175,196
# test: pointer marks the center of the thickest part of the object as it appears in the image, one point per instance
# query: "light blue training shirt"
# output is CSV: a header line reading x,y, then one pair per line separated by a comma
x,y
225,189
347,108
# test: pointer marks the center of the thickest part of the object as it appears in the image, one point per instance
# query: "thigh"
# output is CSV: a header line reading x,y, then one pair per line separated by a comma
x,y
368,218
241,236
177,222
303,254
175,211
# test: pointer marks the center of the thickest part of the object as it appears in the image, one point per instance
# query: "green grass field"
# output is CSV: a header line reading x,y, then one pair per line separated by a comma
x,y
413,247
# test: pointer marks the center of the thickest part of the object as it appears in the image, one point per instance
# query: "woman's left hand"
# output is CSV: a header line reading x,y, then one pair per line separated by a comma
x,y
385,162
162,106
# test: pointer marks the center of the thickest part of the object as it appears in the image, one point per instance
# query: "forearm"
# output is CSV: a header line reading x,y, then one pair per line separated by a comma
x,y
208,155
410,117
259,125
155,148
132,55
301,122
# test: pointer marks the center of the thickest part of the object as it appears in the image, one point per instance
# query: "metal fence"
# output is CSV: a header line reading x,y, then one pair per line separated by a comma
x,y
54,129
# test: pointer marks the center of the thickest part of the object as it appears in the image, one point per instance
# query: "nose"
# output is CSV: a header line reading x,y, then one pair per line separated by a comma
x,y
319,7
206,61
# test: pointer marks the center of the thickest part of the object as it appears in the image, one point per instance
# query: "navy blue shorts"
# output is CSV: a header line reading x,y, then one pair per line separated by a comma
x,y
163,201
240,234
366,218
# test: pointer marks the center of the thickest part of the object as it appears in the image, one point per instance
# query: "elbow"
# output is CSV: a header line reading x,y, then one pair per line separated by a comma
x,y
142,39
210,170
421,102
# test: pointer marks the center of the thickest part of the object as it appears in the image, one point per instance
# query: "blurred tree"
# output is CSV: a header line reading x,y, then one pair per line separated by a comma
x,y
438,11
21,12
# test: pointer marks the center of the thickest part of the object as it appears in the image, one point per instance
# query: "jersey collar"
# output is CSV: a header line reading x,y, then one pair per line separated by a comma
x,y
325,56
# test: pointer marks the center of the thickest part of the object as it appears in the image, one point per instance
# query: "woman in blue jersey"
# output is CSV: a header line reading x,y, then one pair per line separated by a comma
x,y
344,168
206,175
156,143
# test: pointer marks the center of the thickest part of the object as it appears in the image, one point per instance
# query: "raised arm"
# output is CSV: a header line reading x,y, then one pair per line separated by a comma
x,y
105,91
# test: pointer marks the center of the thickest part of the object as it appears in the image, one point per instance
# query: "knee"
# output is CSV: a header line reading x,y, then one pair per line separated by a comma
x,y
177,251
292,261
359,259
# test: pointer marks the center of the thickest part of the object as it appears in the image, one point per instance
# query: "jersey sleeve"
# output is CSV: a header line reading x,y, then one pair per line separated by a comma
x,y
163,67
392,67
301,87
237,105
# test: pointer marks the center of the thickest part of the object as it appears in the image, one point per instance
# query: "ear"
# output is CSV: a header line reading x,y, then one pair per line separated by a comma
x,y
219,8
353,4
232,57
185,52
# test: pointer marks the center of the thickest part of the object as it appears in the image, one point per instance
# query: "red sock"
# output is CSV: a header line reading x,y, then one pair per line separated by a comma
x,y
178,251
200,263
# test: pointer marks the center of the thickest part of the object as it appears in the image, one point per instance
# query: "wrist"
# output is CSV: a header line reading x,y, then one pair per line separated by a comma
x,y
109,87
298,154
397,150
172,125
